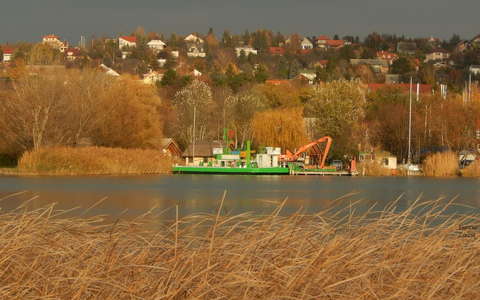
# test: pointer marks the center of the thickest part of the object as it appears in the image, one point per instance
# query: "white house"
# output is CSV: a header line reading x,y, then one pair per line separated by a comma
x,y
152,77
195,46
437,55
156,45
161,62
7,54
306,44
175,53
196,73
127,41
55,42
475,69
109,71
246,50
192,38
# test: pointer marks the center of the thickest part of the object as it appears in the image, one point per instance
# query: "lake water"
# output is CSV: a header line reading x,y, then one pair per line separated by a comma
x,y
131,196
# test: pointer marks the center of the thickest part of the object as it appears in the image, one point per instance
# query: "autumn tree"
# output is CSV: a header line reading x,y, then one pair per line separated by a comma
x,y
193,103
43,54
129,116
282,127
338,108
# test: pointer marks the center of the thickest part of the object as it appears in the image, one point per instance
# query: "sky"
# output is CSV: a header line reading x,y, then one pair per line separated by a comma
x,y
29,20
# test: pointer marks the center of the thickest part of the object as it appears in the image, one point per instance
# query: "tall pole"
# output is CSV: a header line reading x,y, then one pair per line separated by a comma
x,y
410,125
193,136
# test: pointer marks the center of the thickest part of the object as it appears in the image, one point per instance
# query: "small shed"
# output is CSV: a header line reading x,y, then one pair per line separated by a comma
x,y
169,146
204,152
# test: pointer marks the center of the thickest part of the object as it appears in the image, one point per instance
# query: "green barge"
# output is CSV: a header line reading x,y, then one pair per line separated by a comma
x,y
230,170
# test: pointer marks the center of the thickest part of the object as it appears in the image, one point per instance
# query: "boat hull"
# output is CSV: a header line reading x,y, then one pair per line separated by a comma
x,y
230,171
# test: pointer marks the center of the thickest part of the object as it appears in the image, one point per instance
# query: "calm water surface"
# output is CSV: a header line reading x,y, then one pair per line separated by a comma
x,y
132,196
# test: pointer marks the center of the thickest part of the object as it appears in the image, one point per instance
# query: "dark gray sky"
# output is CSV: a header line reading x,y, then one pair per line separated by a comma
x,y
28,20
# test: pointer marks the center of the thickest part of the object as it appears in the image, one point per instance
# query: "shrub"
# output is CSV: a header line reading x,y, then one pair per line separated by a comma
x,y
442,164
93,161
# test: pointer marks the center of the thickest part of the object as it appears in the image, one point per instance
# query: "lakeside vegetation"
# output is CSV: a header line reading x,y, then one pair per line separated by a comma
x,y
93,161
327,255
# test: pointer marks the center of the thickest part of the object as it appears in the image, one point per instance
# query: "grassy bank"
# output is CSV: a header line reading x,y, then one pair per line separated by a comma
x,y
393,256
93,161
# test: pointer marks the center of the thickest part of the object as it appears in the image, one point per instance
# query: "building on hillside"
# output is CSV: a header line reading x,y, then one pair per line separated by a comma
x,y
73,54
306,44
55,42
388,56
377,65
108,71
321,41
474,69
152,77
195,46
7,54
308,78
277,82
247,51
170,147
437,55
335,44
156,45
127,42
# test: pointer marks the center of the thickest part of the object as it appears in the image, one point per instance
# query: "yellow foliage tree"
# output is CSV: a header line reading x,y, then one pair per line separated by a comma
x,y
283,127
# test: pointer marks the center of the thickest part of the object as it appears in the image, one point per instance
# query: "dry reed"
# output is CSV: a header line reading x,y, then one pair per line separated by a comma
x,y
443,164
372,168
473,170
93,161
321,256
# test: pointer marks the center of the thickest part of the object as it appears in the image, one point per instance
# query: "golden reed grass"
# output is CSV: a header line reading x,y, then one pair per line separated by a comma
x,y
473,170
321,256
372,168
442,164
93,161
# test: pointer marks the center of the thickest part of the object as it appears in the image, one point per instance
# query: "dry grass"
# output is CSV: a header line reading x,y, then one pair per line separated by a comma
x,y
443,164
372,168
473,170
93,161
322,256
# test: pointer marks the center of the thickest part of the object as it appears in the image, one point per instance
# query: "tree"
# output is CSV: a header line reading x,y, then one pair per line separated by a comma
x,y
129,116
339,108
194,100
283,127
43,54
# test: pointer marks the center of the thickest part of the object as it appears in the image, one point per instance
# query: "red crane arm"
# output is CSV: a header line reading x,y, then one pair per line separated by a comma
x,y
326,139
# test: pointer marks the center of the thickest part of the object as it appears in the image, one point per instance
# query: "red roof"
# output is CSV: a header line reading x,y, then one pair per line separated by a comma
x,y
277,81
276,50
7,50
131,39
51,36
386,55
405,87
323,62
335,43
305,51
323,38
73,52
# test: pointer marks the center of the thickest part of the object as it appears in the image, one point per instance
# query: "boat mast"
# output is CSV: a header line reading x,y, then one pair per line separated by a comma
x,y
410,125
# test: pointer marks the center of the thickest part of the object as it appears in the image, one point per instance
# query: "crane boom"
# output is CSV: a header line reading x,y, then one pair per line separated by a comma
x,y
314,146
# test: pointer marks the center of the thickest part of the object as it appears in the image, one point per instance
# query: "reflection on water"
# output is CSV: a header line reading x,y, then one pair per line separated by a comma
x,y
132,196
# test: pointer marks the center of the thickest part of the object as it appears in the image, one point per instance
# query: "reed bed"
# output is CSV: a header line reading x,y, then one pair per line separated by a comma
x,y
93,161
373,168
322,256
444,164
473,170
